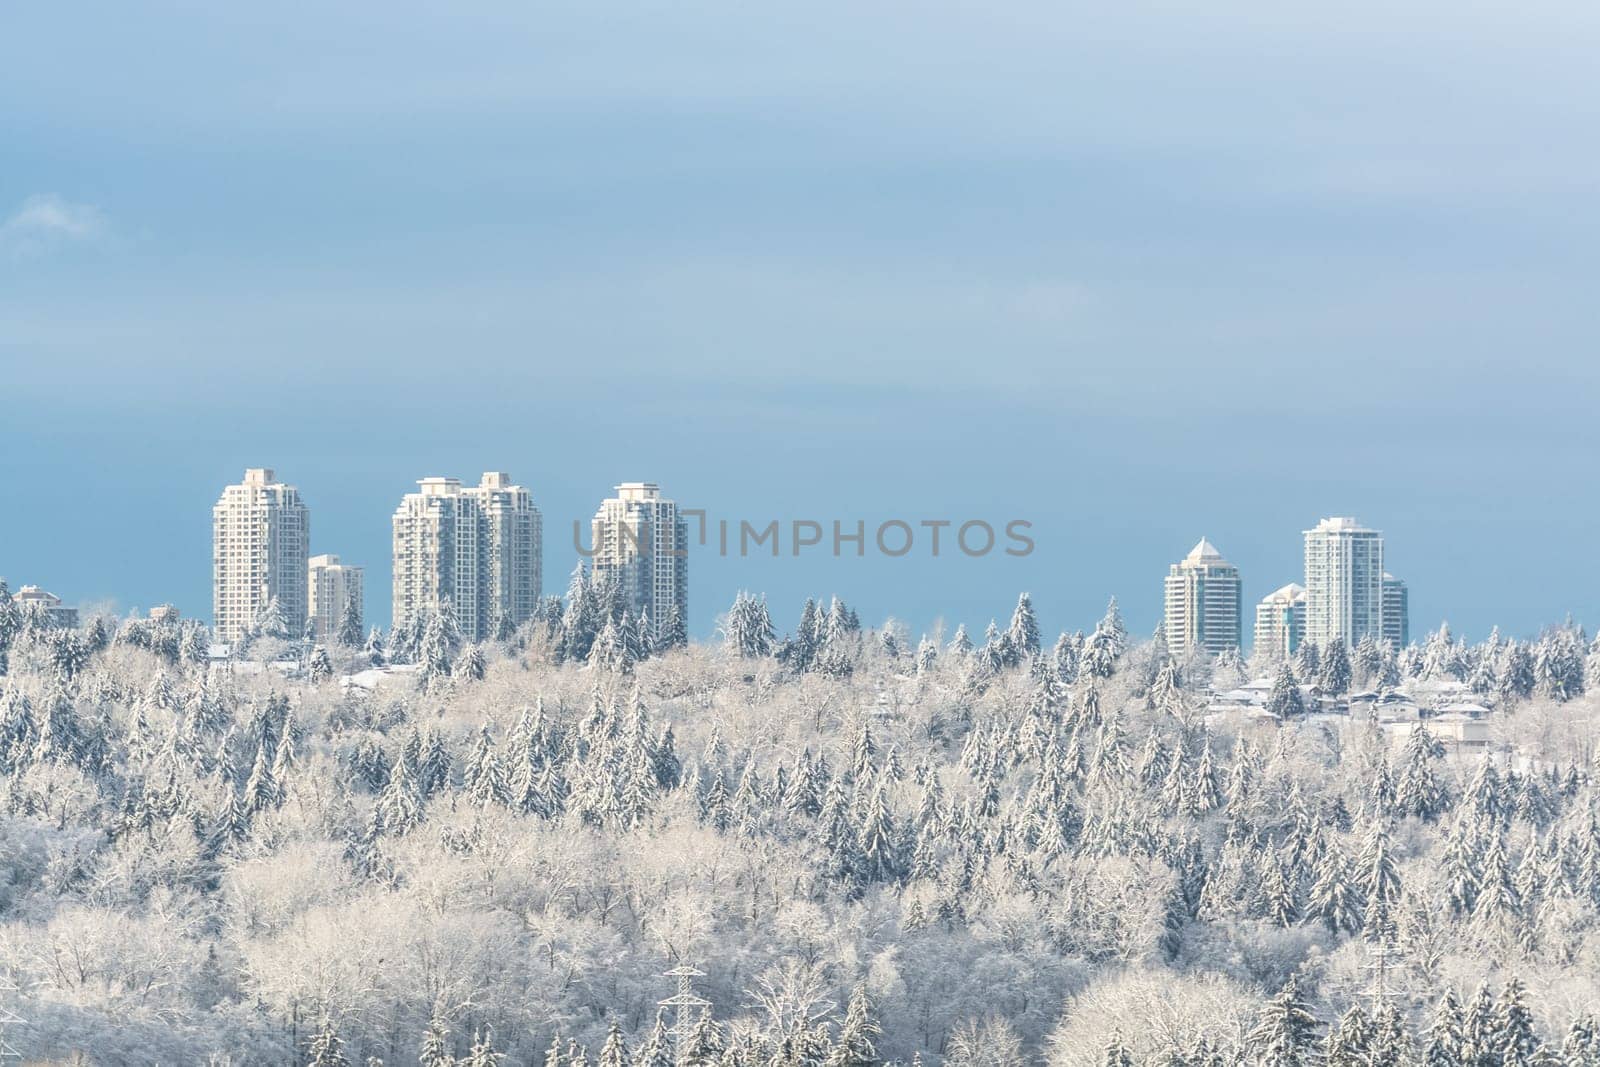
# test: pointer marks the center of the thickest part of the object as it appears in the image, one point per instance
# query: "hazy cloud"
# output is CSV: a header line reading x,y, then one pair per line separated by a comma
x,y
46,220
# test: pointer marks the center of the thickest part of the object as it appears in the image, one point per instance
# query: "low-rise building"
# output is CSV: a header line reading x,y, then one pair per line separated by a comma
x,y
32,600
1458,733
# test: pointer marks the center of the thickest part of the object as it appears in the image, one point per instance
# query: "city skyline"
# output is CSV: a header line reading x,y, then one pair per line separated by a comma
x,y
748,520
794,285
1189,612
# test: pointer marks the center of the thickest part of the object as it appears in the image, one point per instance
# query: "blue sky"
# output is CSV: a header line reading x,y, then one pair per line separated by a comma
x,y
1135,273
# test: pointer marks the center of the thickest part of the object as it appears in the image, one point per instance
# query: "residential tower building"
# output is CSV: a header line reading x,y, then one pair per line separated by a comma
x,y
330,586
1280,622
260,533
1396,613
1344,582
641,542
1202,603
478,548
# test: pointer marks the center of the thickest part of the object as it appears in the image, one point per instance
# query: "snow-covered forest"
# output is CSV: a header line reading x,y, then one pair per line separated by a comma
x,y
874,847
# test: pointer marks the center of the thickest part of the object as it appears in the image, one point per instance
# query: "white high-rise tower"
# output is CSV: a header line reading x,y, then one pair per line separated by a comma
x,y
642,542
480,548
1202,603
1344,582
260,531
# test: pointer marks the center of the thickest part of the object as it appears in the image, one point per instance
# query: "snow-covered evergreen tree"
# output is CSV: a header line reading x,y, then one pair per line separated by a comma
x,y
471,665
400,805
614,1053
1100,653
1022,634
1334,672
1445,1044
483,1052
748,631
1336,899
326,1049
1380,883
320,665
1350,1040
1116,1053
1420,792
1285,1034
435,1050
1285,701
1514,1040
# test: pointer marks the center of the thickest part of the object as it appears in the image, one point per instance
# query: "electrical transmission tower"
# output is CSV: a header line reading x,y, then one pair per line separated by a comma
x,y
8,1019
686,1006
1383,955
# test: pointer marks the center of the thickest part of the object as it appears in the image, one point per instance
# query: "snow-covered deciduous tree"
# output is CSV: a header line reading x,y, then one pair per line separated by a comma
x,y
975,856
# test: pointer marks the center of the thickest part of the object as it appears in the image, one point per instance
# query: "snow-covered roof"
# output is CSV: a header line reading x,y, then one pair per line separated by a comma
x,y
286,667
373,677
1222,712
1341,523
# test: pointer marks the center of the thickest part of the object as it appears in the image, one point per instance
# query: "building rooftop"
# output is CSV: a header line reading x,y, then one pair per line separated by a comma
x,y
439,486
1292,591
1340,524
639,491
1467,708
1205,550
